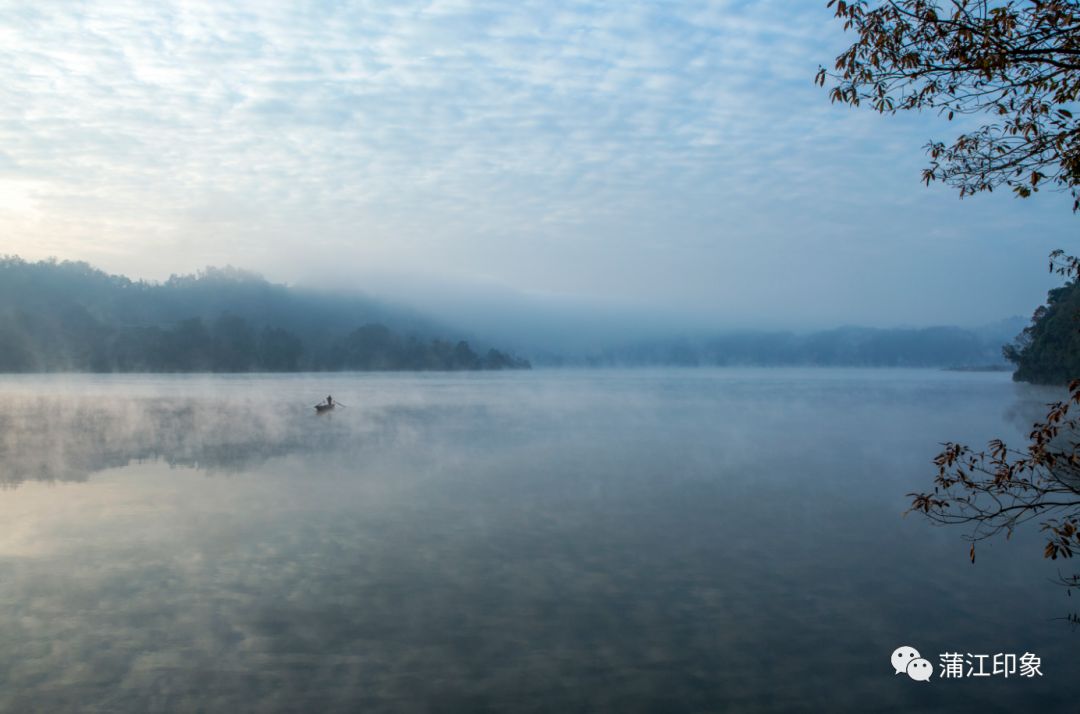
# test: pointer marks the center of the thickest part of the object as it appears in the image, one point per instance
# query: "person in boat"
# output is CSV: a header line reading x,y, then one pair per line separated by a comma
x,y
329,400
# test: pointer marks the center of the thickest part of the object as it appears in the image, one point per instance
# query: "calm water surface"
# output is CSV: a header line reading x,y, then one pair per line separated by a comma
x,y
668,541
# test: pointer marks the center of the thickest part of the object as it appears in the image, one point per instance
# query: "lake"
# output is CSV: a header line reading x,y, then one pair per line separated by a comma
x,y
564,541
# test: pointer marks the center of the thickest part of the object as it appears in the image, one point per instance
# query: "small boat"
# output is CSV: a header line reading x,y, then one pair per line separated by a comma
x,y
328,405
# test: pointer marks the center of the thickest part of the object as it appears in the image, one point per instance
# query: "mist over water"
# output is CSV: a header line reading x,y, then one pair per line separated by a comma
x,y
650,540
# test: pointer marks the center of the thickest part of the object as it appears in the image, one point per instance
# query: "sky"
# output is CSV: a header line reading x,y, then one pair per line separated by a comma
x,y
673,159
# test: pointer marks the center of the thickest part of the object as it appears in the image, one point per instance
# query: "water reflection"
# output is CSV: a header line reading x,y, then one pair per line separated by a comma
x,y
67,438
618,542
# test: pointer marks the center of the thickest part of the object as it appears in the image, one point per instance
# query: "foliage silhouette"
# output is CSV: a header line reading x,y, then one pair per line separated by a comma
x,y
1015,62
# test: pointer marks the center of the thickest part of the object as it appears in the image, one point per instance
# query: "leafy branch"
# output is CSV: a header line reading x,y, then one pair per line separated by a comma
x,y
1017,62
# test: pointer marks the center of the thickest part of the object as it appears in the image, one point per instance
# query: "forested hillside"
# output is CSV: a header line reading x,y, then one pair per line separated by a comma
x,y
1048,350
57,316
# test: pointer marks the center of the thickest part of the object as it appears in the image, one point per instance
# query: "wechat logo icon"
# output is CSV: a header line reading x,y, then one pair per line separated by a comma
x,y
907,660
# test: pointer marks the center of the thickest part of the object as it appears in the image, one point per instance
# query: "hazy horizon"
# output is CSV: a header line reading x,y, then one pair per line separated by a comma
x,y
546,328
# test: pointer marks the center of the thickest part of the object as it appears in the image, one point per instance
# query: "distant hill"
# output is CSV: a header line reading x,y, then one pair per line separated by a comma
x,y
848,346
57,316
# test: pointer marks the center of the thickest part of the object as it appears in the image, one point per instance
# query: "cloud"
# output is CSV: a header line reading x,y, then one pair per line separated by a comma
x,y
606,149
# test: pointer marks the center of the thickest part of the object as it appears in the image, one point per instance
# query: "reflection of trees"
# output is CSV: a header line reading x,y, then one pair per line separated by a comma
x,y
69,438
